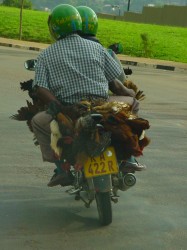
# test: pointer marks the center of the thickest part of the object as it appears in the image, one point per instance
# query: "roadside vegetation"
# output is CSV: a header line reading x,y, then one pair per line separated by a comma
x,y
142,40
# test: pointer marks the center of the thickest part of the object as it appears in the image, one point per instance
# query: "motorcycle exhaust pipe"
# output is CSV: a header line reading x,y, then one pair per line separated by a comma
x,y
127,181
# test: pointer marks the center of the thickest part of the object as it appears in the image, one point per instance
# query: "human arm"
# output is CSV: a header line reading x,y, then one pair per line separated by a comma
x,y
113,70
119,89
45,95
122,76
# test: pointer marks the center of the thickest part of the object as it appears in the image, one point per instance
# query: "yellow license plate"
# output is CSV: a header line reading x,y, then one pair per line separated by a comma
x,y
104,164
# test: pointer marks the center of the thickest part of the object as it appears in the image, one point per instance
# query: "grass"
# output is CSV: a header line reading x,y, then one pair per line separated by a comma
x,y
34,27
162,42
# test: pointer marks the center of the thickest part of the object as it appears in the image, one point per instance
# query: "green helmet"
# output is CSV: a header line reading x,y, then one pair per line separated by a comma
x,y
64,20
89,20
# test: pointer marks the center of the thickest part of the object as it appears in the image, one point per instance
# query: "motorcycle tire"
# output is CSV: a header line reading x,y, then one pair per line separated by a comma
x,y
104,208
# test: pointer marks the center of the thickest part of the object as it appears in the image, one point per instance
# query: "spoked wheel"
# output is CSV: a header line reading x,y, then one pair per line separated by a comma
x,y
104,208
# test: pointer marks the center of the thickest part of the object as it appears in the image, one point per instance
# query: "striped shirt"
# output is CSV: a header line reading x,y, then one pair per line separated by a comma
x,y
74,68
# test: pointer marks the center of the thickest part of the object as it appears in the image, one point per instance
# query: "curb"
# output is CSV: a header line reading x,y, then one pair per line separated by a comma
x,y
20,46
41,47
154,66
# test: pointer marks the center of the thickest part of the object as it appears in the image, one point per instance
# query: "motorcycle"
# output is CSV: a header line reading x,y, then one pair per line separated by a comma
x,y
103,173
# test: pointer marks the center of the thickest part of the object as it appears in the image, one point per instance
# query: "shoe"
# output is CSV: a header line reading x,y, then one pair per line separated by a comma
x,y
63,179
132,166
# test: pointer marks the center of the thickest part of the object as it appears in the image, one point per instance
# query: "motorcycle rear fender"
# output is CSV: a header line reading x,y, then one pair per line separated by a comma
x,y
102,183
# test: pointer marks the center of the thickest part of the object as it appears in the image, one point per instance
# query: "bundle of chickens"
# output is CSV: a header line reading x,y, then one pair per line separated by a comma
x,y
96,125
87,128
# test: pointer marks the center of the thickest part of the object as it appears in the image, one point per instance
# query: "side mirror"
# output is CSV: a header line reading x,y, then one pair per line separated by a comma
x,y
30,64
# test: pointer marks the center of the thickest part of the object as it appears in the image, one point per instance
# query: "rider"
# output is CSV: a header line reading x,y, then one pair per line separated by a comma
x,y
89,31
69,70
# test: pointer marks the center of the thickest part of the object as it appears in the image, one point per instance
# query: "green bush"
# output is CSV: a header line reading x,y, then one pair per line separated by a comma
x,y
147,45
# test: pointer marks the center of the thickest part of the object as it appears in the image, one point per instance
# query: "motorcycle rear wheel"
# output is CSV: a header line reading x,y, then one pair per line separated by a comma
x,y
104,208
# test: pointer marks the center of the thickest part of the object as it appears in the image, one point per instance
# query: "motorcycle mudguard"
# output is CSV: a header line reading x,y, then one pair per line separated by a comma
x,y
102,183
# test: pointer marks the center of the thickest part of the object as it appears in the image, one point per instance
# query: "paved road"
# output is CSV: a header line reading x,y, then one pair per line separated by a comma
x,y
152,215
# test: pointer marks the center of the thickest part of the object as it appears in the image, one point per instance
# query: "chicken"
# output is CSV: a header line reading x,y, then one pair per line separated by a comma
x,y
126,128
26,113
33,107
125,138
139,93
55,136
27,86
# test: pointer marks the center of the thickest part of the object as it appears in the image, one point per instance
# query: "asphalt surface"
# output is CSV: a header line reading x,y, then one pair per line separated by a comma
x,y
125,59
150,216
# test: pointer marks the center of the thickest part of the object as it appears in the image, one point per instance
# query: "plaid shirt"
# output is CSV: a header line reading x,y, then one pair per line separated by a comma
x,y
74,68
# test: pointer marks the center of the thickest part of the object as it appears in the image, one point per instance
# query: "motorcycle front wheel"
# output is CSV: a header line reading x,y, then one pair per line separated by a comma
x,y
104,208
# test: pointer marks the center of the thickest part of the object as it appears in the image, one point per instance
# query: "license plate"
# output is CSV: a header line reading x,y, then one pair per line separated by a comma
x,y
104,164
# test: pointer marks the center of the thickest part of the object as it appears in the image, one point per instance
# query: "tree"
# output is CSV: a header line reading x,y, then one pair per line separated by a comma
x,y
22,4
17,3
20,22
